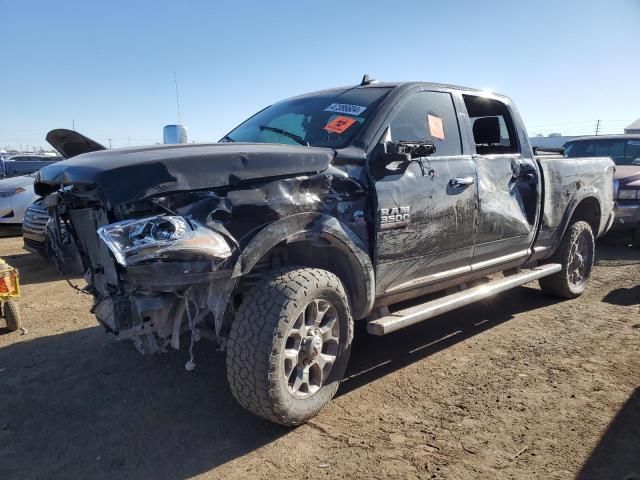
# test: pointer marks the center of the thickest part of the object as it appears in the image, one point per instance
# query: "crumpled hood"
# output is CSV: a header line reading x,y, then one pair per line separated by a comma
x,y
130,174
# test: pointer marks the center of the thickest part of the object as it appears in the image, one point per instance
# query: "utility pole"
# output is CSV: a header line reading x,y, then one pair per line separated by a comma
x,y
175,79
597,126
109,140
73,125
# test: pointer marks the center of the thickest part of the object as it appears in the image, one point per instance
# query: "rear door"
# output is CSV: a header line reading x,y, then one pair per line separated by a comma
x,y
508,182
426,213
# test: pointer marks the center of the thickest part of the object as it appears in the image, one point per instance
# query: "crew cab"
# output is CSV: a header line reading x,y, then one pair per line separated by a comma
x,y
318,211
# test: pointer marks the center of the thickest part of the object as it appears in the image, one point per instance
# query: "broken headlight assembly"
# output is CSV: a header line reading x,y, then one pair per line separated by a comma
x,y
133,241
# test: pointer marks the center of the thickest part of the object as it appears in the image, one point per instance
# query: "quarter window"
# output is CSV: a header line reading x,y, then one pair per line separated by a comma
x,y
428,117
493,130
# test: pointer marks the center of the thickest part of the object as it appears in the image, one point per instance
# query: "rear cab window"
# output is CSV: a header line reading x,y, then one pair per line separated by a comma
x,y
494,132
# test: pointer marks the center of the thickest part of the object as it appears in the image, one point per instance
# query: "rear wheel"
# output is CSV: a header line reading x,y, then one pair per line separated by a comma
x,y
11,315
576,255
289,345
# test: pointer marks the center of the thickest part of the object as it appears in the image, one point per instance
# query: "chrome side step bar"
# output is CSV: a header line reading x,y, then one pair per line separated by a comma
x,y
412,315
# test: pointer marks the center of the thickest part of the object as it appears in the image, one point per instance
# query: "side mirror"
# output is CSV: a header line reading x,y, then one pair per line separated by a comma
x,y
402,153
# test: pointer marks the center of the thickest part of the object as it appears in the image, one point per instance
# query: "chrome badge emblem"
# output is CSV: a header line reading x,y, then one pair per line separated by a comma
x,y
394,217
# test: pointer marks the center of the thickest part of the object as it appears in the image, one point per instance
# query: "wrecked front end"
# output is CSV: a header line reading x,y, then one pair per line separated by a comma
x,y
153,275
156,234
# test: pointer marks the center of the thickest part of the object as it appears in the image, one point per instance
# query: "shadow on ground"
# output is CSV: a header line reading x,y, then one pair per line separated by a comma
x,y
82,405
373,357
617,455
623,296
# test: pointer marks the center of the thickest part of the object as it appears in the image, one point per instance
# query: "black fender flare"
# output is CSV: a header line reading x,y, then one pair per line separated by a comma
x,y
309,227
578,197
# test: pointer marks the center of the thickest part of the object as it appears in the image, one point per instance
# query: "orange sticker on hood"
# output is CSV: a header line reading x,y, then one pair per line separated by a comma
x,y
339,124
436,128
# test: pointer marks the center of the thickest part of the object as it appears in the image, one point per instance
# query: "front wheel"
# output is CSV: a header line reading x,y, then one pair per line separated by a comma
x,y
289,345
576,255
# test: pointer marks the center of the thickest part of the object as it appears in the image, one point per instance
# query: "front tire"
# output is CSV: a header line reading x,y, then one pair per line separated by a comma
x,y
289,345
576,255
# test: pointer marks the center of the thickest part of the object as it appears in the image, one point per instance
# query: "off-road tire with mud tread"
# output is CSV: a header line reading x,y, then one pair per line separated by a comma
x,y
11,313
558,284
257,336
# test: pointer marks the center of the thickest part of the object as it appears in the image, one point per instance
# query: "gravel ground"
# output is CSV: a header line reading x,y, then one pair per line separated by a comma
x,y
520,386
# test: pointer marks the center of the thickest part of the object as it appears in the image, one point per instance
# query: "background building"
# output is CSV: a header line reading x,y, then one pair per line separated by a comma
x,y
633,128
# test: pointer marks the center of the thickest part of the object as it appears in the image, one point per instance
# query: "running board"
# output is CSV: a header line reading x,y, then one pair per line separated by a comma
x,y
412,315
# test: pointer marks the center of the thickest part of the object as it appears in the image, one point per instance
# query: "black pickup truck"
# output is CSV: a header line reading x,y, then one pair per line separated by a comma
x,y
317,211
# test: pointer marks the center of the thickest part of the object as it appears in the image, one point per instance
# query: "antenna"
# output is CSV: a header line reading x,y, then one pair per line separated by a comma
x,y
175,79
367,80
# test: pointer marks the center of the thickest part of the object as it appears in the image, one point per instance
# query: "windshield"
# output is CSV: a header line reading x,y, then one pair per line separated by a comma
x,y
621,151
326,119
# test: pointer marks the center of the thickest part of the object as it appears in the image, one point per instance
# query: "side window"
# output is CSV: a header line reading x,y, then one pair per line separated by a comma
x,y
493,130
632,154
428,117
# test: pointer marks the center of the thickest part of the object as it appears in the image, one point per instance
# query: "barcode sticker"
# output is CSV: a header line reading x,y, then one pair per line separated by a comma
x,y
345,108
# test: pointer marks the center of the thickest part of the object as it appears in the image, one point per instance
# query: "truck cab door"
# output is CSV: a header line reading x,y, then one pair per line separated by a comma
x,y
508,183
426,208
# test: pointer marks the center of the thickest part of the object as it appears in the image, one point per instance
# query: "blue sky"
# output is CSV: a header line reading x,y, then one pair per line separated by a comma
x,y
109,65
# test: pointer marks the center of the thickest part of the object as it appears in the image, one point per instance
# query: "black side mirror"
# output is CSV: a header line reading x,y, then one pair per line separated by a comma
x,y
412,149
405,152
395,157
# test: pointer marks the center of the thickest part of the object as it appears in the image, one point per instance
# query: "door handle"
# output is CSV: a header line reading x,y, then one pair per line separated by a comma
x,y
525,176
457,182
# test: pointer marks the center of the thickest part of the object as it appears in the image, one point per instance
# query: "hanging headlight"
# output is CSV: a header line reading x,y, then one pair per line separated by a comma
x,y
132,241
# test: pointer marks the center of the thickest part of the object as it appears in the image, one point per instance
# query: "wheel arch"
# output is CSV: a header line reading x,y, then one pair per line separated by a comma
x,y
316,241
584,206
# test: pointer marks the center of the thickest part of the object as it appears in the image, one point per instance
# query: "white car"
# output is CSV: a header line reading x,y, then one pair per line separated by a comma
x,y
16,194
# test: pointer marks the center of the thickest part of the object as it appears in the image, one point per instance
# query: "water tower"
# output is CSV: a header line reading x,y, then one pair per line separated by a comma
x,y
172,134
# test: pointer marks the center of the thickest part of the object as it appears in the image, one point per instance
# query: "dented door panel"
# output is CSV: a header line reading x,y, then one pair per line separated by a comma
x,y
440,231
508,206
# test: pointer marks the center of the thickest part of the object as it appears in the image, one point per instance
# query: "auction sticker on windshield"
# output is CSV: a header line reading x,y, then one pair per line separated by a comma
x,y
345,108
339,124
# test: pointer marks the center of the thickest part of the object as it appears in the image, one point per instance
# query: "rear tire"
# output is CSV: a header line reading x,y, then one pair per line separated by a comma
x,y
576,255
12,315
289,345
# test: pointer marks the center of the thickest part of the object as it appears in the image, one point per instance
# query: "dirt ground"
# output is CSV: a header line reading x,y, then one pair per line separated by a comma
x,y
520,386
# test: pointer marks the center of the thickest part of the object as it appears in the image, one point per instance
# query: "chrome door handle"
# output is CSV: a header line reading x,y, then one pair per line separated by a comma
x,y
457,182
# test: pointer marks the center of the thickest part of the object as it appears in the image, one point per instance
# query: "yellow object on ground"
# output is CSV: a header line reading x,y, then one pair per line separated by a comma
x,y
9,291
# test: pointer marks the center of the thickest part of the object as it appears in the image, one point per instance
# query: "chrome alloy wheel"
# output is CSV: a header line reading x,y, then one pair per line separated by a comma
x,y
311,348
579,262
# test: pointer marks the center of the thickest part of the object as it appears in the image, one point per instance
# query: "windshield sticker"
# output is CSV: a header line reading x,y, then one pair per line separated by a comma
x,y
345,108
339,124
435,127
